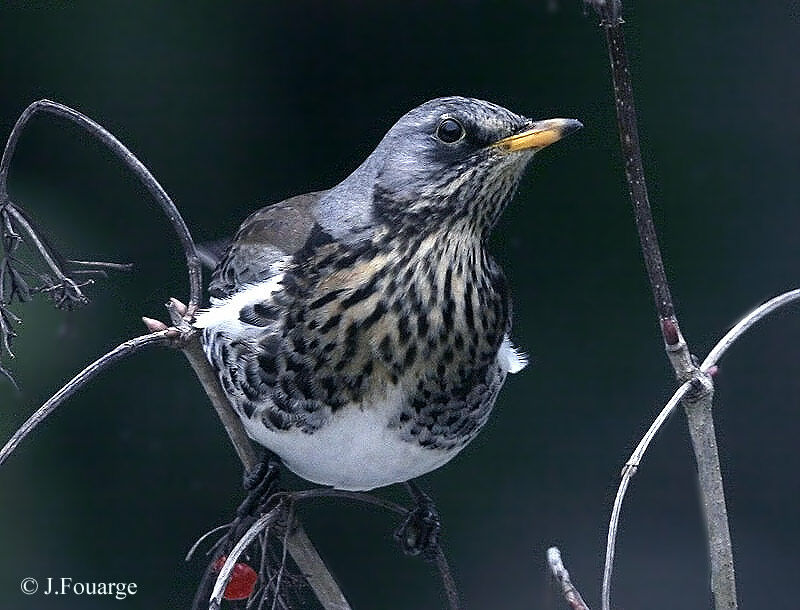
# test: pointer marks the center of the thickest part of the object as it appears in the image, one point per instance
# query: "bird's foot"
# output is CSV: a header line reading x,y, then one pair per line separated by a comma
x,y
418,534
260,483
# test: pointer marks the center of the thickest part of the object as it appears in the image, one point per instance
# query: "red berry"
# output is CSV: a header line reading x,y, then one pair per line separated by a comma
x,y
242,581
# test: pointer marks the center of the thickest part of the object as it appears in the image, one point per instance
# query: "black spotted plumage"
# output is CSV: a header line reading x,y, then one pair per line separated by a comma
x,y
375,301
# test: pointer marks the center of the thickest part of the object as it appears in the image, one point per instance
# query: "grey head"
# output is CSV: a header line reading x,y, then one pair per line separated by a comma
x,y
452,161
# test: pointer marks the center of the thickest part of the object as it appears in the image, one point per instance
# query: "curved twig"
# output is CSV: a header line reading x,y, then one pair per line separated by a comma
x,y
356,496
73,385
743,325
631,466
193,350
130,160
200,540
628,471
227,567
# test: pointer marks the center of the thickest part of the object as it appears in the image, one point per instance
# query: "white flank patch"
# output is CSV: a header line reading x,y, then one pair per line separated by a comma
x,y
511,359
225,312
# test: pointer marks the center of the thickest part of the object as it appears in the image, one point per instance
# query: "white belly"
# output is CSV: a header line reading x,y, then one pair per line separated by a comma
x,y
356,451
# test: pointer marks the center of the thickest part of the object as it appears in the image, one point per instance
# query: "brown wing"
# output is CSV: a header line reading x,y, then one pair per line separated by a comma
x,y
266,236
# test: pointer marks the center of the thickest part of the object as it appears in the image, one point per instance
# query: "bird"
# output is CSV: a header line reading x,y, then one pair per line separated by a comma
x,y
363,333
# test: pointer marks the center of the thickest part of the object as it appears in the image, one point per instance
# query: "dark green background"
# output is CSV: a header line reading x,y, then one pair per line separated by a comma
x,y
236,106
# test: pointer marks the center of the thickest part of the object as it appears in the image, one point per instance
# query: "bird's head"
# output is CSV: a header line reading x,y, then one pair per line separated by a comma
x,y
456,160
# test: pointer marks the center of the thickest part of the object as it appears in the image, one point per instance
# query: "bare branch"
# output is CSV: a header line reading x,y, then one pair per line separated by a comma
x,y
712,494
282,567
202,538
193,351
127,348
700,403
357,496
610,13
130,160
704,442
559,572
93,265
702,435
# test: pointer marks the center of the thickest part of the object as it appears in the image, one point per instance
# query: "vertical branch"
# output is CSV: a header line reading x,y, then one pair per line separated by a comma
x,y
676,347
704,442
634,171
698,406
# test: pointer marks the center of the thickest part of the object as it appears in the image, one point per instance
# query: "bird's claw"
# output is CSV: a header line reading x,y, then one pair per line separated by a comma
x,y
419,532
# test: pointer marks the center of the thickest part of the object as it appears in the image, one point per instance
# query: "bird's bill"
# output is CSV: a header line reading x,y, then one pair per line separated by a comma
x,y
539,135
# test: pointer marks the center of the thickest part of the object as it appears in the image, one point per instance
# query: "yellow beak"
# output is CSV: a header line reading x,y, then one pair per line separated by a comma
x,y
539,135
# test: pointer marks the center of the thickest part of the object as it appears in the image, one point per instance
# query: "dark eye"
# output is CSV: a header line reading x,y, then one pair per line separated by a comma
x,y
449,131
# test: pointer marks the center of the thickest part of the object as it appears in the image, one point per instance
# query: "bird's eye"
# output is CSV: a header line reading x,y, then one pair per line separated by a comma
x,y
449,131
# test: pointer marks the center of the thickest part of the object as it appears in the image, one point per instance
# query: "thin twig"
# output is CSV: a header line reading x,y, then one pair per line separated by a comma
x,y
448,582
634,461
227,567
743,325
200,540
193,350
127,348
559,572
130,160
628,471
101,265
43,247
357,496
282,567
610,13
